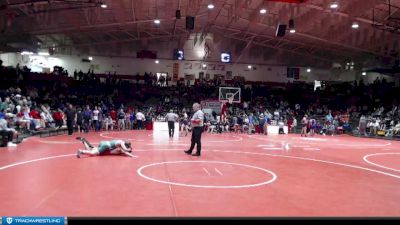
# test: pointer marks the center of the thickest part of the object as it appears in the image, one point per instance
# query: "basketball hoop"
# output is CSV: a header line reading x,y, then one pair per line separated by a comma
x,y
229,95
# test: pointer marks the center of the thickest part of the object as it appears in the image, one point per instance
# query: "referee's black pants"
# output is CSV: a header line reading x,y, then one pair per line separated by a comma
x,y
196,139
171,128
70,126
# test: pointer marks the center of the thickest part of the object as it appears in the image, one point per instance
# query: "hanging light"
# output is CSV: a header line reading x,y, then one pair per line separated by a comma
x,y
334,5
263,11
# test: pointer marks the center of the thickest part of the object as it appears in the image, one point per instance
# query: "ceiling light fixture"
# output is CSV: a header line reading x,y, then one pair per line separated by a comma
x,y
334,5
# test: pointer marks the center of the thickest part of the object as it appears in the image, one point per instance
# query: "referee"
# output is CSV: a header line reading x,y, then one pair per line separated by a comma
x,y
197,125
171,118
71,118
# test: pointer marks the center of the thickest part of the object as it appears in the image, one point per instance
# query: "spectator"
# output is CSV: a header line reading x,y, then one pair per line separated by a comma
x,y
140,119
109,123
58,118
71,118
121,119
87,115
79,120
6,131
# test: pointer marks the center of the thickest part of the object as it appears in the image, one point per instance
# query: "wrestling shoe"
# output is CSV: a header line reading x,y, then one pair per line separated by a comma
x,y
189,152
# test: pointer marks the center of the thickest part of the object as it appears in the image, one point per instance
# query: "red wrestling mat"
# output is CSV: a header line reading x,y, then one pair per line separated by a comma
x,y
237,175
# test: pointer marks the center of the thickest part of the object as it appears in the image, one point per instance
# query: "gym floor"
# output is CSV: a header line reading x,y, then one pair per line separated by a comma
x,y
236,175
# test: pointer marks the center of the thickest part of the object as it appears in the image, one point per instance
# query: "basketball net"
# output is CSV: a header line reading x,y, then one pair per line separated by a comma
x,y
230,100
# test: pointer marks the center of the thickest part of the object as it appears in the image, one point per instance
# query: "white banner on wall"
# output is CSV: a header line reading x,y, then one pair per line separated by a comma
x,y
212,105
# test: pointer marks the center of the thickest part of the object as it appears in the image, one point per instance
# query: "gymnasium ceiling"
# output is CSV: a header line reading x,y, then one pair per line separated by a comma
x,y
322,34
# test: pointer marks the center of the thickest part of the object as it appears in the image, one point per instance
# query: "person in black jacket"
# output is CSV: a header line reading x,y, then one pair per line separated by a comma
x,y
79,120
71,118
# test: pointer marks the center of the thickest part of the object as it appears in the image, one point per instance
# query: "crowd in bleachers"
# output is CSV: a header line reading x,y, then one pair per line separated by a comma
x,y
31,102
334,109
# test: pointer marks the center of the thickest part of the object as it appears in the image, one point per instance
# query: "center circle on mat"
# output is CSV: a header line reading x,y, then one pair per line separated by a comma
x,y
213,172
380,164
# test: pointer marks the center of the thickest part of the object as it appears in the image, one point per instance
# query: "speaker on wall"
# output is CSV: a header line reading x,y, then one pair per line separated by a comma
x,y
189,22
178,14
281,30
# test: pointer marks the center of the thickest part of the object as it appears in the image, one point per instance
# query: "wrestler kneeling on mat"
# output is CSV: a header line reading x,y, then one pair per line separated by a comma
x,y
114,147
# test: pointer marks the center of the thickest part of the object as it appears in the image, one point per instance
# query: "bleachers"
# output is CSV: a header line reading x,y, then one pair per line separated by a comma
x,y
50,132
18,139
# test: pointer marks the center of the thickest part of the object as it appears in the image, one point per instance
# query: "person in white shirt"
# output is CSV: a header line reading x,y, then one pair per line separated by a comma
x,y
197,122
128,123
211,128
140,119
245,105
185,124
95,118
281,124
276,114
362,125
375,126
46,116
109,123
6,131
245,126
370,126
390,130
396,129
294,125
121,119
171,118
